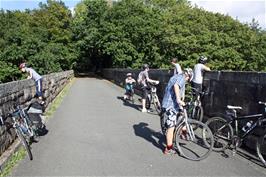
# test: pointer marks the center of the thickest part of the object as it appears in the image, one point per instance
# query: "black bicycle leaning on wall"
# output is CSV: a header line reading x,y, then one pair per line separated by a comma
x,y
225,136
195,109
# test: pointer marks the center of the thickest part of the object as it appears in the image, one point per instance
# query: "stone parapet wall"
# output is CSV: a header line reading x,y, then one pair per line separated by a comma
x,y
21,93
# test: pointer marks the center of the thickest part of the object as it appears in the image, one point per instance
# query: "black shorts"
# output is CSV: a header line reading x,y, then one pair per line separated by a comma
x,y
196,86
145,92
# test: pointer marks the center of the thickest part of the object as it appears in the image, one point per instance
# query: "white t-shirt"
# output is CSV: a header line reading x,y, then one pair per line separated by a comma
x,y
198,73
178,69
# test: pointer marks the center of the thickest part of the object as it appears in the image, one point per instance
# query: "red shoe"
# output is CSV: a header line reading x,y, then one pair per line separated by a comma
x,y
169,151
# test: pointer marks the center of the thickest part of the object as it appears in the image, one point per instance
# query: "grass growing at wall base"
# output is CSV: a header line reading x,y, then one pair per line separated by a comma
x,y
58,100
16,157
20,154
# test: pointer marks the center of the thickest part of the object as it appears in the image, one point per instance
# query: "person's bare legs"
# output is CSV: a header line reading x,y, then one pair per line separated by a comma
x,y
144,105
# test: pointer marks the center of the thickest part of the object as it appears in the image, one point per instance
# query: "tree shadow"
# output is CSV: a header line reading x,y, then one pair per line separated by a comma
x,y
129,104
156,138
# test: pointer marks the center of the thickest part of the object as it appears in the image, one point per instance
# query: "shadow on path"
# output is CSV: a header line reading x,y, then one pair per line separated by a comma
x,y
127,103
156,138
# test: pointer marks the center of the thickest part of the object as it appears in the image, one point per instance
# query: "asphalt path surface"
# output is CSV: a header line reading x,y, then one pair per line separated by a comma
x,y
93,133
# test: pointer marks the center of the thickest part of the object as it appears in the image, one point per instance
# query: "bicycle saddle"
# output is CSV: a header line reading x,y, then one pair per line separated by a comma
x,y
234,107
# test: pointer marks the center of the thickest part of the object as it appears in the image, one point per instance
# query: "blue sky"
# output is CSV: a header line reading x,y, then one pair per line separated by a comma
x,y
30,4
243,10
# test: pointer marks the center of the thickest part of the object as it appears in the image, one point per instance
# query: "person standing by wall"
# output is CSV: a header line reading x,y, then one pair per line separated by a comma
x,y
177,69
144,80
199,68
32,74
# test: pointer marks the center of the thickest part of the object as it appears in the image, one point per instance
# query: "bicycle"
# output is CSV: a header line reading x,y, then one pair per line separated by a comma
x,y
190,136
24,128
195,110
153,99
225,136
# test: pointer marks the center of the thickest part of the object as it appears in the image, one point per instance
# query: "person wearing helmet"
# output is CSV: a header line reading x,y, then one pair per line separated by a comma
x,y
32,74
177,69
171,104
199,68
129,86
144,80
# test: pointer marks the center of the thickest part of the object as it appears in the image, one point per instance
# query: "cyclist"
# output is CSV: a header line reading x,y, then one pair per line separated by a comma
x,y
129,86
172,103
32,74
199,68
177,66
144,80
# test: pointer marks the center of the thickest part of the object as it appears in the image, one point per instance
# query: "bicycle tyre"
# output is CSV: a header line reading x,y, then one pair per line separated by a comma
x,y
24,143
194,148
261,149
223,137
157,104
197,113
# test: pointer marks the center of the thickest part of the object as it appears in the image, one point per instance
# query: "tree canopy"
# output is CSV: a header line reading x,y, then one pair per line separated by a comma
x,y
125,34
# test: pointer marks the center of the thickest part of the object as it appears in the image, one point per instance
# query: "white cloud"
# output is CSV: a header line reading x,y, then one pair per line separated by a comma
x,y
243,10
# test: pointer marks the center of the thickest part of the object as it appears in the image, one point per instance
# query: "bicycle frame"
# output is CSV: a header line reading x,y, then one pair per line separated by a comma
x,y
20,114
234,118
185,121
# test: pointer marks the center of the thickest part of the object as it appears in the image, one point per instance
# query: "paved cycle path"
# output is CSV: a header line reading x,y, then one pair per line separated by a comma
x,y
94,133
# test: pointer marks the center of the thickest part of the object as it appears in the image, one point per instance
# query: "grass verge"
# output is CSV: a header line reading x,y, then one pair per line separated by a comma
x,y
16,157
58,100
20,154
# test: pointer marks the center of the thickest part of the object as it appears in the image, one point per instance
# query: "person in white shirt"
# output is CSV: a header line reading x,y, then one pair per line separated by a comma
x,y
199,68
32,74
177,69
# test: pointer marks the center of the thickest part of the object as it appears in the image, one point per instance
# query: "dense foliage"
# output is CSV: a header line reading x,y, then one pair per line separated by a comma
x,y
126,34
42,38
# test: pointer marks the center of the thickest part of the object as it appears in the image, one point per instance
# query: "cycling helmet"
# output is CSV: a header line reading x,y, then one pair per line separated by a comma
x,y
129,74
22,65
145,66
189,73
203,59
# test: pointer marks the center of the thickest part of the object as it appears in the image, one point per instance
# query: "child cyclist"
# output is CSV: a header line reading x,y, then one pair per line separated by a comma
x,y
129,86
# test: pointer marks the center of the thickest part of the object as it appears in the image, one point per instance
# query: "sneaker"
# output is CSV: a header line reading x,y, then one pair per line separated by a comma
x,y
144,110
169,152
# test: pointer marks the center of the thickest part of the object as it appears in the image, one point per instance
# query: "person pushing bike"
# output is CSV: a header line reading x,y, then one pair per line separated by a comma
x,y
144,80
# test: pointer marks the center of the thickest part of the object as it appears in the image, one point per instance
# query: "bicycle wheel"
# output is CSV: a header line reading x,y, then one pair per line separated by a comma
x,y
222,133
157,104
197,113
261,149
191,143
24,143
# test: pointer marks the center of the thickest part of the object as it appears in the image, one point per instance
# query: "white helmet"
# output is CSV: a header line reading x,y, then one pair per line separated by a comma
x,y
189,73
